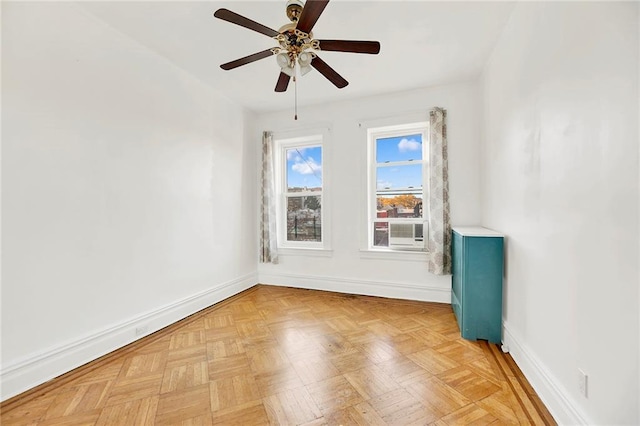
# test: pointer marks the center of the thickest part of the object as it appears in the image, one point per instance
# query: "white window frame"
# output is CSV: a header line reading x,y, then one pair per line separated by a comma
x,y
399,130
282,143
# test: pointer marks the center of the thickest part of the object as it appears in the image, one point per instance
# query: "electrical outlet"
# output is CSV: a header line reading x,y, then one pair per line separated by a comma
x,y
141,330
583,383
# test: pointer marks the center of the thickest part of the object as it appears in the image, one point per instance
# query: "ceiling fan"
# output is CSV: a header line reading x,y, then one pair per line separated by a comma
x,y
297,49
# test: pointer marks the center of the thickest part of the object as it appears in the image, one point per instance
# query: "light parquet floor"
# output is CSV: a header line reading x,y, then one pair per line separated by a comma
x,y
274,355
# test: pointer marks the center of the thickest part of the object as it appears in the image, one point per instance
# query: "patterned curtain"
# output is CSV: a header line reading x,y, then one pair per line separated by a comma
x,y
439,220
268,247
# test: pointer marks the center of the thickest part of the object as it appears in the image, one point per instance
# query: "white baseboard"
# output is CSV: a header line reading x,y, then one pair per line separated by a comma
x,y
552,393
396,290
38,368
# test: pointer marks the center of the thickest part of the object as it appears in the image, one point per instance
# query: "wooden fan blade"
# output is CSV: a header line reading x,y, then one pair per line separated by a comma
x,y
353,46
310,13
234,18
246,60
283,82
329,72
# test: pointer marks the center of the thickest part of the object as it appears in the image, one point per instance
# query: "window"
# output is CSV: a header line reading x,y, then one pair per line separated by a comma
x,y
299,187
397,187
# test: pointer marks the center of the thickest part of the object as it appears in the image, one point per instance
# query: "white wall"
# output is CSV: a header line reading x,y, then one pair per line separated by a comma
x,y
345,268
128,192
560,179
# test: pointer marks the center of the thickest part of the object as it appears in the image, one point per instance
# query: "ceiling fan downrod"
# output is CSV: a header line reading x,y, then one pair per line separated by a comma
x,y
294,9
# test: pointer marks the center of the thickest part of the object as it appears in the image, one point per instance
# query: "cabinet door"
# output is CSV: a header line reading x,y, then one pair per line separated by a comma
x,y
483,306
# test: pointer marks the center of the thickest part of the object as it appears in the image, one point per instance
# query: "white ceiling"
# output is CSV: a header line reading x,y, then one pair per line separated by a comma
x,y
423,43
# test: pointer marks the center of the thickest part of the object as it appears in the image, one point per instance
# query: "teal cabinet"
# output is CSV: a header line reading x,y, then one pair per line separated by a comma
x,y
476,296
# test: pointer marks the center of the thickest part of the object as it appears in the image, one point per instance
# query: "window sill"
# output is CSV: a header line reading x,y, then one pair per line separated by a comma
x,y
409,256
313,252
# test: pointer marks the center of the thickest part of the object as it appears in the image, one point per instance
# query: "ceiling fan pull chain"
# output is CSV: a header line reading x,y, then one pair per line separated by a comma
x,y
295,86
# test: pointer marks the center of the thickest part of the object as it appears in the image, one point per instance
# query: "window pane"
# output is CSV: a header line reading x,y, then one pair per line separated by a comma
x,y
304,218
403,205
407,177
399,148
304,169
381,234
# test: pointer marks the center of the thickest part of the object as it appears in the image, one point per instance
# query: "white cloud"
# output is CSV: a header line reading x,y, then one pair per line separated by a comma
x,y
409,145
306,167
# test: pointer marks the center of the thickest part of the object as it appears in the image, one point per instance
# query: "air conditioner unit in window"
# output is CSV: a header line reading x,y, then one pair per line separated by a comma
x,y
408,236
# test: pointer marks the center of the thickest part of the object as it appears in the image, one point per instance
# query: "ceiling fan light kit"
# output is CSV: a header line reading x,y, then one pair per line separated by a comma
x,y
297,50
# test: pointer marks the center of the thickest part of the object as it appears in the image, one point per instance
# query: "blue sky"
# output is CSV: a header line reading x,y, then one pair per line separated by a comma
x,y
304,167
400,148
399,176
